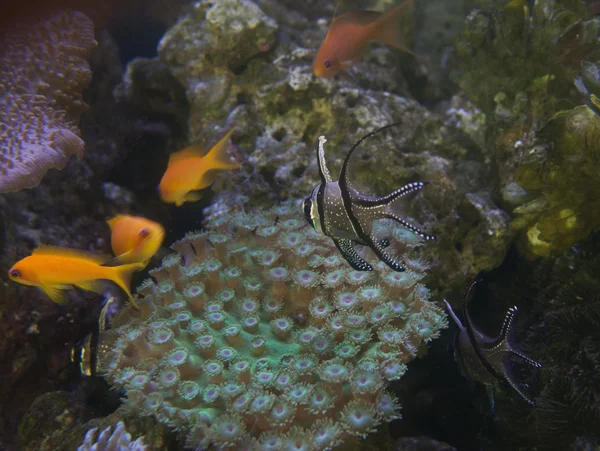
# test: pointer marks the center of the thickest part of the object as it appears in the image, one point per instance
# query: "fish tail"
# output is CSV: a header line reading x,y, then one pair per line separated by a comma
x,y
394,26
217,158
122,277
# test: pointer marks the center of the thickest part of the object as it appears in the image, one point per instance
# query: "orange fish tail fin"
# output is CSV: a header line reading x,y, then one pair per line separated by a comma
x,y
395,27
217,157
122,277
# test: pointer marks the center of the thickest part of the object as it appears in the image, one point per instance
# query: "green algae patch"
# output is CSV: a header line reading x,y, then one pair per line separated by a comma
x,y
565,174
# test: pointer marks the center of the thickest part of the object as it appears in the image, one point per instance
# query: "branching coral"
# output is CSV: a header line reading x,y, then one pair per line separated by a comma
x,y
257,332
44,69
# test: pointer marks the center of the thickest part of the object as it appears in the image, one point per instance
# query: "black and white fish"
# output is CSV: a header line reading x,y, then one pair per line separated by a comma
x,y
483,358
89,352
338,210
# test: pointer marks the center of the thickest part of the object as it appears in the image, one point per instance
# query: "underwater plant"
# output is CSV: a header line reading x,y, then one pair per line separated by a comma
x,y
256,332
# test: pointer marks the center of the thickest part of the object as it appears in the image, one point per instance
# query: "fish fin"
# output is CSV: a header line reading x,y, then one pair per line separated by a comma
x,y
207,179
217,157
192,151
91,285
56,294
346,248
65,252
112,222
126,258
357,17
394,26
131,256
193,196
122,277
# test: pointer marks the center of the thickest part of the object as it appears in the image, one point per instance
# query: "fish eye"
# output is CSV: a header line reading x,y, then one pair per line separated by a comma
x,y
14,273
327,63
144,233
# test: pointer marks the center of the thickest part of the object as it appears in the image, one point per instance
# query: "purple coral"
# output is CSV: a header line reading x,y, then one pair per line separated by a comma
x,y
44,70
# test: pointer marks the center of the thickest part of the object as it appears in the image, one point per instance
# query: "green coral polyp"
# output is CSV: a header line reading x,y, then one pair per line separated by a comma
x,y
230,350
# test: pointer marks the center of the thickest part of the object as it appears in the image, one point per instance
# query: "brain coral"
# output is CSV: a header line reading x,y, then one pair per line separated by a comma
x,y
44,69
257,334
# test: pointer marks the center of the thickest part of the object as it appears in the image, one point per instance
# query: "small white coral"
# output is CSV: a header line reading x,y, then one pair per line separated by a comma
x,y
119,440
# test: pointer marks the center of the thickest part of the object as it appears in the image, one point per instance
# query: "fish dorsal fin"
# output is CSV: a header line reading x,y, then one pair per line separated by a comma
x,y
114,221
323,171
192,151
356,17
344,179
72,253
337,4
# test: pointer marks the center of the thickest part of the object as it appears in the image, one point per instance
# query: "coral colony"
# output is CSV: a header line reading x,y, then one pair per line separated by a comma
x,y
44,70
258,333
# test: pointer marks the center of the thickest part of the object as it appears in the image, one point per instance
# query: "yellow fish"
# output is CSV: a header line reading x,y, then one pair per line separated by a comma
x,y
135,239
190,171
55,269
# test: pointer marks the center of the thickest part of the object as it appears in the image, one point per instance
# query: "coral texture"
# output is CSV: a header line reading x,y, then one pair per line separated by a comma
x,y
266,90
45,67
257,332
119,440
564,175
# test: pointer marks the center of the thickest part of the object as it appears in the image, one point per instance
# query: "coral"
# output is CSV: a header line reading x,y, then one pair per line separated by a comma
x,y
257,331
45,68
59,420
516,62
279,109
119,440
562,172
588,84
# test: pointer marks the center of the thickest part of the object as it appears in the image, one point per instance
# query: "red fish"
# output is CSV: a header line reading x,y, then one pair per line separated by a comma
x,y
349,34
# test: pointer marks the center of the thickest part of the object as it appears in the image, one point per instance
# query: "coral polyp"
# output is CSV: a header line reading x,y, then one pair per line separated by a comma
x,y
267,346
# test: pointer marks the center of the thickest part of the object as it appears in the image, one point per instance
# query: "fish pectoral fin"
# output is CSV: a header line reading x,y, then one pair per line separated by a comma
x,y
193,196
55,293
346,248
126,257
207,179
92,285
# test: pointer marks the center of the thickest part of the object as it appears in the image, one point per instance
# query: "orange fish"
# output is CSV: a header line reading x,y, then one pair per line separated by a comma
x,y
54,269
349,33
135,239
190,171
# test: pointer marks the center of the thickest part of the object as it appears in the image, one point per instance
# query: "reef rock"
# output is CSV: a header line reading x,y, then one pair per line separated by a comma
x,y
258,79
